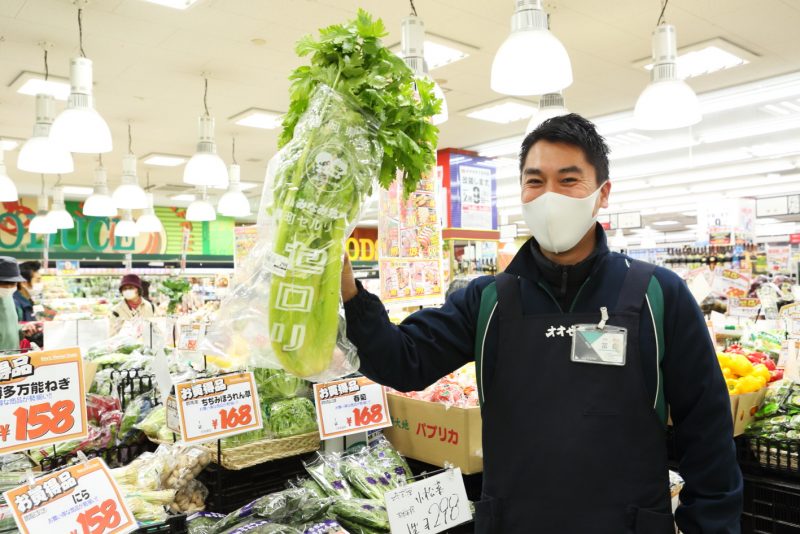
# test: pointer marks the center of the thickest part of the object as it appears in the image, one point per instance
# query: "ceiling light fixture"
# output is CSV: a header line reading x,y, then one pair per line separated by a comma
x,y
665,223
58,213
504,111
706,57
80,128
258,118
550,105
129,194
667,102
8,191
163,160
412,45
174,4
41,224
531,61
125,227
148,221
99,203
201,209
77,190
183,197
206,168
8,144
33,83
234,203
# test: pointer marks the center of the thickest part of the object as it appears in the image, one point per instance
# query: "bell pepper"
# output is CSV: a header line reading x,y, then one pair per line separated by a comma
x,y
733,386
741,365
727,373
770,363
761,370
776,375
724,360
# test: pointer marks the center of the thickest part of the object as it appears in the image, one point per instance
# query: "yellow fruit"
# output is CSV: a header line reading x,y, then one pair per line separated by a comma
x,y
724,360
750,384
741,365
761,370
733,386
727,373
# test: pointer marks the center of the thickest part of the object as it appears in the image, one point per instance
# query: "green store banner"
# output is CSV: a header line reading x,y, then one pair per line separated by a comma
x,y
93,236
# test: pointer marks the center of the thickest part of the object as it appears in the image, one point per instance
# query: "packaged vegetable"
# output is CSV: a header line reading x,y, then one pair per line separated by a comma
x,y
277,383
370,513
326,526
153,422
144,511
363,476
237,516
191,498
394,465
324,469
202,522
291,417
262,527
354,528
190,460
307,484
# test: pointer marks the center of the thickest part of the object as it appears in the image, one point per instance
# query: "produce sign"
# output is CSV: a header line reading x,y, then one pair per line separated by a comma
x,y
350,406
731,283
42,399
81,499
218,407
431,505
744,307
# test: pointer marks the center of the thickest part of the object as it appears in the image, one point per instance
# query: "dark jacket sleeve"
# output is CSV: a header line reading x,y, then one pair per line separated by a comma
x,y
427,345
711,502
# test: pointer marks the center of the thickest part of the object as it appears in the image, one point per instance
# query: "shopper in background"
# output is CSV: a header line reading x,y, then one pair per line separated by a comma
x,y
580,353
11,332
23,297
133,305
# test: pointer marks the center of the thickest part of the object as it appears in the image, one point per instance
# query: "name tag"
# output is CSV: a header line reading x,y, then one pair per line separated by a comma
x,y
603,346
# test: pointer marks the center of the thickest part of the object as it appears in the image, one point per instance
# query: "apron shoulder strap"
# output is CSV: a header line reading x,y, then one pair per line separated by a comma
x,y
509,302
634,288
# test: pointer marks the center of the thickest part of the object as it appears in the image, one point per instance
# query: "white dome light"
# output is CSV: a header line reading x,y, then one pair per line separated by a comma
x,y
59,215
148,222
41,153
550,105
201,209
129,195
234,203
100,203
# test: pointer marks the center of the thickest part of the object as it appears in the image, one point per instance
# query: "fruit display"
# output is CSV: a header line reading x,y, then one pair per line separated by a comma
x,y
458,389
747,371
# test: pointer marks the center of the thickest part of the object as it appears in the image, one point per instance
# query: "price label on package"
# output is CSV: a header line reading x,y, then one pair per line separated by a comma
x,y
42,399
432,505
189,335
218,407
350,406
81,499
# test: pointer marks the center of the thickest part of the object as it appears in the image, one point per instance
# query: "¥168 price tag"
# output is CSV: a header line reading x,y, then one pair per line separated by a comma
x,y
42,399
218,407
81,499
350,406
428,506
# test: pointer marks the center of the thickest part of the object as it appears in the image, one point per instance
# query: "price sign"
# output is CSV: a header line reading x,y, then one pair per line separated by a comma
x,y
42,399
744,307
81,499
350,406
189,335
218,407
429,506
731,283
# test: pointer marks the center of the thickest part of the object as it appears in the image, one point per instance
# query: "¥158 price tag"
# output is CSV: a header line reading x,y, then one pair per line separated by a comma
x,y
42,399
81,499
432,505
218,407
350,406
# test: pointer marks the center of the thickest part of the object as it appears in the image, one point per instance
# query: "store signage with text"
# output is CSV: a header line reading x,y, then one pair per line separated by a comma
x,y
81,499
350,406
218,407
362,249
42,399
431,505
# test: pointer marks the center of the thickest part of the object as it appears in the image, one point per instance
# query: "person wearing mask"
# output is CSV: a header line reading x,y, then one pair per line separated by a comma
x,y
23,297
11,332
133,305
581,354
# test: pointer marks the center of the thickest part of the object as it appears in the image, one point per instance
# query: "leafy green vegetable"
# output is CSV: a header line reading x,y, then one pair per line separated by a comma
x,y
175,289
276,383
355,113
366,478
290,417
325,472
370,513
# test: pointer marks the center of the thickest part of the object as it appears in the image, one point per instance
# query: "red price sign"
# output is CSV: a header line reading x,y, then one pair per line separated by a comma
x,y
218,407
42,399
81,499
350,406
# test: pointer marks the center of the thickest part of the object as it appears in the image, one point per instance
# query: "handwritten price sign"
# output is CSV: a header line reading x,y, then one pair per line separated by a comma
x,y
218,407
81,499
42,399
350,406
429,506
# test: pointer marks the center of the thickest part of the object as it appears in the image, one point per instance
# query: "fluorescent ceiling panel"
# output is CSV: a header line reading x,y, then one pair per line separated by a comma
x,y
258,118
77,190
174,4
7,143
164,160
33,83
503,111
184,197
705,58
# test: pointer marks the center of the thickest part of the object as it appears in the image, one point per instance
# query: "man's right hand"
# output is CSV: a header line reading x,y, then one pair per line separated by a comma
x,y
349,288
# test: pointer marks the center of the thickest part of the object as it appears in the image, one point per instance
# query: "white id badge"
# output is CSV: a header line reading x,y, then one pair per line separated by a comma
x,y
603,346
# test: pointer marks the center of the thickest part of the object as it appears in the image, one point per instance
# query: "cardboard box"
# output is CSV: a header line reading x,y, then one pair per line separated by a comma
x,y
89,370
748,404
433,433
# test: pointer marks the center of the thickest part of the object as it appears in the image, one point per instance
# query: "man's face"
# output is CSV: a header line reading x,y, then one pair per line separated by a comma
x,y
560,168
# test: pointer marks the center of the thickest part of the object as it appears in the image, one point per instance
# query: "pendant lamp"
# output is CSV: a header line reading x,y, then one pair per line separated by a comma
x,y
234,203
129,195
148,222
41,224
41,153
58,214
206,168
201,209
126,227
100,203
550,105
412,43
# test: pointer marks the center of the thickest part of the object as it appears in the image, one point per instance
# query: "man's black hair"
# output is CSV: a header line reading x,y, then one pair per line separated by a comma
x,y
27,268
571,129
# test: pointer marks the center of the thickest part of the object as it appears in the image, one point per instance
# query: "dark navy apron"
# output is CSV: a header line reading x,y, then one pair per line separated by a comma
x,y
571,447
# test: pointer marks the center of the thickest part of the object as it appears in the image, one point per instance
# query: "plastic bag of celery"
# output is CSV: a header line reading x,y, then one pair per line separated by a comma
x,y
286,311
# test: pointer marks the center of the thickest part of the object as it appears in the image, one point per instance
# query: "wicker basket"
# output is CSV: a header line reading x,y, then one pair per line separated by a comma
x,y
264,450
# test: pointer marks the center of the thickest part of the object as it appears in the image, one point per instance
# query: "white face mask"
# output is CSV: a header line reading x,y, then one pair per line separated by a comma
x,y
129,294
7,291
558,222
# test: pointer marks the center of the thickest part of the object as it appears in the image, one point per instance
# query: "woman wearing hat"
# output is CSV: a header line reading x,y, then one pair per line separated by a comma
x,y
133,304
10,330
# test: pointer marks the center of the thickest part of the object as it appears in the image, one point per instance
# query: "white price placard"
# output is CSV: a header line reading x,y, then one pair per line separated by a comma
x,y
81,499
189,336
218,407
42,399
744,307
350,406
429,506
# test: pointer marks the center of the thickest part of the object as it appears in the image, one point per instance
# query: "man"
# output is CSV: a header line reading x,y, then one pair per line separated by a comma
x,y
23,298
579,352
132,305
10,330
